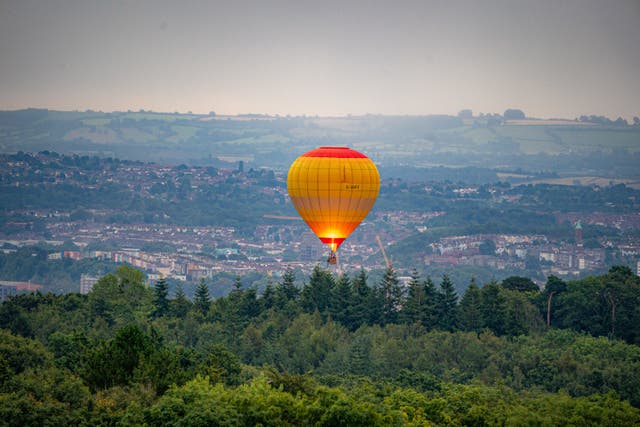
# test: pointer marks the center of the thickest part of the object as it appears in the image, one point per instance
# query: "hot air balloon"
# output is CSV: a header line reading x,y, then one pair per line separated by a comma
x,y
333,189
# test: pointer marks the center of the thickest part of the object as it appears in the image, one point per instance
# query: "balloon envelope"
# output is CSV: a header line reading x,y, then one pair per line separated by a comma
x,y
333,189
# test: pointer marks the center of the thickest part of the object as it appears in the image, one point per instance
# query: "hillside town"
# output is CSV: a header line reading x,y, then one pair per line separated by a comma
x,y
275,240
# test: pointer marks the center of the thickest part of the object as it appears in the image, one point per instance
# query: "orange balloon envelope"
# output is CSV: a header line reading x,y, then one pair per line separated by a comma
x,y
333,189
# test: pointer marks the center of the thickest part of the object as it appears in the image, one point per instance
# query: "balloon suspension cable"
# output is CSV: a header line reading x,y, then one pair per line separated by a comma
x,y
332,258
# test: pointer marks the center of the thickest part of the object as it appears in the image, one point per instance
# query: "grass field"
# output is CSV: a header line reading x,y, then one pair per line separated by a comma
x,y
598,139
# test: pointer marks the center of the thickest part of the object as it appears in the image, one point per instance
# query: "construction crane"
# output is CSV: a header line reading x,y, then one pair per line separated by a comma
x,y
288,218
384,254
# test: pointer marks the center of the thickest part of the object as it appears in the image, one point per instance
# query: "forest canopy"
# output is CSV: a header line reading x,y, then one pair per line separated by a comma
x,y
338,351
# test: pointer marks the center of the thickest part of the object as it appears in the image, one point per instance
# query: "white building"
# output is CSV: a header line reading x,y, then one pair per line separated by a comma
x,y
86,283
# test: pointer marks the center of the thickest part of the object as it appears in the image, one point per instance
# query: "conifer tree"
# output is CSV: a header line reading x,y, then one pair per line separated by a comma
x,y
416,299
470,309
233,307
268,297
180,304
447,304
316,294
160,298
341,300
287,290
392,296
361,297
202,300
237,286
430,313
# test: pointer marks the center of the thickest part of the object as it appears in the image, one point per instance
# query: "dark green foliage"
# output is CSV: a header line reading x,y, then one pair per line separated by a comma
x,y
161,298
20,354
447,300
223,366
316,295
201,299
341,306
363,308
606,305
494,308
180,305
516,283
114,362
470,316
242,362
286,290
391,294
420,305
14,318
117,297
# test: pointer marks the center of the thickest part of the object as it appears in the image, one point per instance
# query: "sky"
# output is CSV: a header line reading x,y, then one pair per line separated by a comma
x,y
550,58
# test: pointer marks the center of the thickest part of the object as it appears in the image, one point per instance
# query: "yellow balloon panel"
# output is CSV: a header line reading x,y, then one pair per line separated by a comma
x,y
333,190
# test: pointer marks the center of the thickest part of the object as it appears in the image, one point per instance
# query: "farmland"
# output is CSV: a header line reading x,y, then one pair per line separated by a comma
x,y
566,151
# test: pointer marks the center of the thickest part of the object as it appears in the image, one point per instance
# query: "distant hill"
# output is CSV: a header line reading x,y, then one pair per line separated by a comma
x,y
570,148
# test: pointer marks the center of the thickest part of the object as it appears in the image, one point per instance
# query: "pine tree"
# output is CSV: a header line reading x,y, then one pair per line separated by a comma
x,y
420,305
341,300
447,304
287,290
269,297
202,300
470,309
361,298
180,304
430,314
316,294
392,296
232,318
237,286
160,298
414,306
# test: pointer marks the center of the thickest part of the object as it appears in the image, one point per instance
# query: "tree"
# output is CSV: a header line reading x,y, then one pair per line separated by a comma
x,y
361,298
465,114
224,366
118,298
487,247
553,287
341,300
513,114
606,305
622,294
287,290
160,298
493,307
517,283
447,302
237,308
420,305
392,296
269,298
470,309
180,304
114,362
414,305
317,293
201,299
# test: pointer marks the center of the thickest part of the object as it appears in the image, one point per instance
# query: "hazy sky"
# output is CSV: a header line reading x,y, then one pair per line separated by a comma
x,y
551,58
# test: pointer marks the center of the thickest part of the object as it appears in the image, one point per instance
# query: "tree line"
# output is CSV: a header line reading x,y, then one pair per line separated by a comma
x,y
336,351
